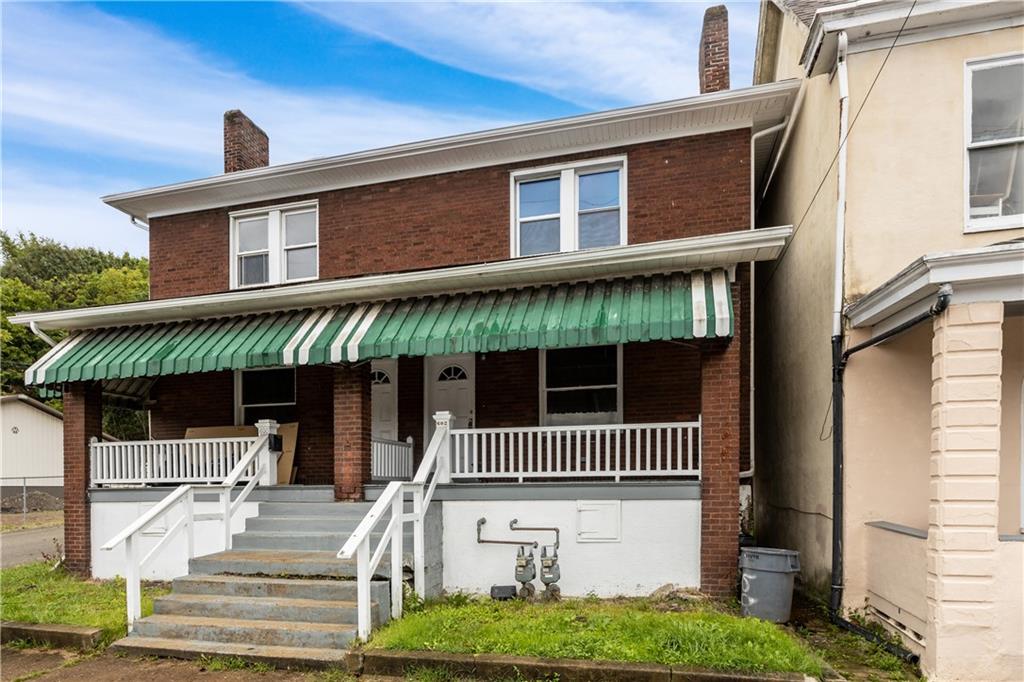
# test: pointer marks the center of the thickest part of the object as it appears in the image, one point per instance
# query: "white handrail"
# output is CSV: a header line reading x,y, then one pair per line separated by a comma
x,y
432,469
258,455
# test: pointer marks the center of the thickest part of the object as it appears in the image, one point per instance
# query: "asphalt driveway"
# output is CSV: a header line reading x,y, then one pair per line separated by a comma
x,y
25,546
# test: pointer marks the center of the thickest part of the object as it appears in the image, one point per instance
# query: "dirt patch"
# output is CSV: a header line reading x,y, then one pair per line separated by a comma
x,y
17,663
11,521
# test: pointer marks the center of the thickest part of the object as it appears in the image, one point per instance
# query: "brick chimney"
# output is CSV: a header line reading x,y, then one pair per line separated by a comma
x,y
713,63
245,144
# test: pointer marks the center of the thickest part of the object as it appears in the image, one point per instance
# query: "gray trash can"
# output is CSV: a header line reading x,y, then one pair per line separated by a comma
x,y
767,582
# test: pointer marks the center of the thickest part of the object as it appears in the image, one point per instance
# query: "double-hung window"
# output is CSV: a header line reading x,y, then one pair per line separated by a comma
x,y
995,144
265,394
274,245
569,207
581,385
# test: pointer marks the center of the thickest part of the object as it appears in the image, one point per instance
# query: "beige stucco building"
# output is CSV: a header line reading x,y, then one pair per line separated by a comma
x,y
927,197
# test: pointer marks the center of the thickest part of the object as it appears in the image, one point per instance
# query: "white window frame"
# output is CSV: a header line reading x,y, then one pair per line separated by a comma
x,y
276,249
568,214
240,408
992,223
543,383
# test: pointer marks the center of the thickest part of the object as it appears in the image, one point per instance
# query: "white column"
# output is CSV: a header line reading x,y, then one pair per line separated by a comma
x,y
268,457
963,514
443,420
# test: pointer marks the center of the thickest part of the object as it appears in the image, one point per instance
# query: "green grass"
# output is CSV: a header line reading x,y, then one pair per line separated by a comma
x,y
34,594
591,629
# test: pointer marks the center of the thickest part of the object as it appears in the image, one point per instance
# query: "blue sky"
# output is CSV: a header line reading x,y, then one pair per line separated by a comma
x,y
109,97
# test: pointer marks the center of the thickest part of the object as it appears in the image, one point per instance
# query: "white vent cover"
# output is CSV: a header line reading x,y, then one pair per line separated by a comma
x,y
598,520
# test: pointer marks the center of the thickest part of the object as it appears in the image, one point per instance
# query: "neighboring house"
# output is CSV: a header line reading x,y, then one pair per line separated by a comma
x,y
926,425
560,311
32,446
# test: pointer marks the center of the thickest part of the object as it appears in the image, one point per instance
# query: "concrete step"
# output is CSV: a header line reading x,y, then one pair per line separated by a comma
x,y
277,563
332,524
277,588
335,509
260,608
321,541
280,656
264,632
297,493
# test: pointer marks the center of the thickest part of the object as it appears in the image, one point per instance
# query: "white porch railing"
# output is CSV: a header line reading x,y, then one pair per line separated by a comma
x,y
391,460
258,463
596,451
198,460
391,505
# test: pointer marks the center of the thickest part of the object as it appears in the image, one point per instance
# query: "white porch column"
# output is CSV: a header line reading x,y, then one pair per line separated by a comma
x,y
443,422
268,427
963,511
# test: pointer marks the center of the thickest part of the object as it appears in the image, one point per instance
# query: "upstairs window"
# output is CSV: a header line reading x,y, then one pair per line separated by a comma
x,y
274,245
995,144
569,208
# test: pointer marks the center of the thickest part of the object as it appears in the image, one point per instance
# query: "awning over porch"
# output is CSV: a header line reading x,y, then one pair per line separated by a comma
x,y
651,308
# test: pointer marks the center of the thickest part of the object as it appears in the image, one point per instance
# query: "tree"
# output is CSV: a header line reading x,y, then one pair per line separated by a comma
x,y
42,274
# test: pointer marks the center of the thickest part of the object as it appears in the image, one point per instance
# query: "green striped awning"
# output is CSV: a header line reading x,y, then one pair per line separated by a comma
x,y
652,308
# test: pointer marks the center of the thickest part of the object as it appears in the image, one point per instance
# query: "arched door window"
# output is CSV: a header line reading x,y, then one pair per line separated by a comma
x,y
452,373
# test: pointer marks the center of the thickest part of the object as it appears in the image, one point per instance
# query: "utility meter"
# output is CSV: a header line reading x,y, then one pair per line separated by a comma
x,y
550,573
526,571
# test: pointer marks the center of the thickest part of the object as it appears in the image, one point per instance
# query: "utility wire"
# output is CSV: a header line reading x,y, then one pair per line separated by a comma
x,y
835,157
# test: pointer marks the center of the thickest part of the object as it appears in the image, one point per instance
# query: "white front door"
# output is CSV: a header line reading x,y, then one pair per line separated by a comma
x,y
451,385
384,399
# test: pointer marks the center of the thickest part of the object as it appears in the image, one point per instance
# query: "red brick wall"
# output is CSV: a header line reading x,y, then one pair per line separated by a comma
x,y
351,431
83,420
507,389
410,403
660,382
190,400
721,407
676,188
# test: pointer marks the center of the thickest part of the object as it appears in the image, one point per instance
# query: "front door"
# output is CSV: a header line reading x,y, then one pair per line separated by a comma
x,y
451,386
384,399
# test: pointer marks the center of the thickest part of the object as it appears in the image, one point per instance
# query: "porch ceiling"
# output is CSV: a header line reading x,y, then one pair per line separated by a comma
x,y
657,307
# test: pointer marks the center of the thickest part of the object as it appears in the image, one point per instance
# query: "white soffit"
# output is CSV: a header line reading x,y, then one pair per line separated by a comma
x,y
692,253
874,24
755,107
990,273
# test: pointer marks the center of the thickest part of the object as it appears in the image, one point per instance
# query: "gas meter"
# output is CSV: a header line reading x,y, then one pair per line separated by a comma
x,y
550,572
526,571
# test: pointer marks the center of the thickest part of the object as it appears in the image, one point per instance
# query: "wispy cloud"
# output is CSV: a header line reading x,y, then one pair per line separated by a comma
x,y
597,55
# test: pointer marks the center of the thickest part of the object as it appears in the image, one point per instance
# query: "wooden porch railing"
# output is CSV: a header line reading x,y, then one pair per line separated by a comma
x,y
391,460
595,451
193,460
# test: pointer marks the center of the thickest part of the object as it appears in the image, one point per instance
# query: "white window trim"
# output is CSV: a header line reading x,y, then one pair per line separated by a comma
x,y
543,383
239,407
993,223
569,186
275,241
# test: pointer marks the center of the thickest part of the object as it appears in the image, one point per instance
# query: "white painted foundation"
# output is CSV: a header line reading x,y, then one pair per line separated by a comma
x,y
659,542
110,518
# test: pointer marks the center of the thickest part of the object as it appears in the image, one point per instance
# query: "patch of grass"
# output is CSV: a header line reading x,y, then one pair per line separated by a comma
x,y
221,663
34,593
590,629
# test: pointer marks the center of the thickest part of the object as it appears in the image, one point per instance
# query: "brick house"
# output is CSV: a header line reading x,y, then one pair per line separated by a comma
x,y
548,322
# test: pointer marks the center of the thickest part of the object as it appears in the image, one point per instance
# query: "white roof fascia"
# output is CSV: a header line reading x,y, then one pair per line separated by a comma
x,y
757,107
873,25
691,253
990,273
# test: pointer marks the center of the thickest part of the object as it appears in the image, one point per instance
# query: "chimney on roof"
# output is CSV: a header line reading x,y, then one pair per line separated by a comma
x,y
713,63
245,144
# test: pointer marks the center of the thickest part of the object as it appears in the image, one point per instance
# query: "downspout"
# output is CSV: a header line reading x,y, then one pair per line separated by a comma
x,y
753,225
839,361
138,223
41,334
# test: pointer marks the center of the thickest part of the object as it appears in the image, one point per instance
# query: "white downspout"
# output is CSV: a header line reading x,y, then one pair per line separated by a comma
x,y
41,334
753,191
840,255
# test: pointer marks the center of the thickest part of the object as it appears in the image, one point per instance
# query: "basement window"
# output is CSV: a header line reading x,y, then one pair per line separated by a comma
x,y
265,394
274,245
569,207
995,144
581,385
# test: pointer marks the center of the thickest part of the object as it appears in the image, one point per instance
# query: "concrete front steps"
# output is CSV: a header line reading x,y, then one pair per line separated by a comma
x,y
280,596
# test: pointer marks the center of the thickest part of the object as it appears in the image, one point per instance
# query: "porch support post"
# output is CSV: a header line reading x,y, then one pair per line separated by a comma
x,y
351,431
721,405
83,420
962,589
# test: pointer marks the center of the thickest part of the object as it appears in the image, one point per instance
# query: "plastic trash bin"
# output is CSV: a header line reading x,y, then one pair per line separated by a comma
x,y
766,576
